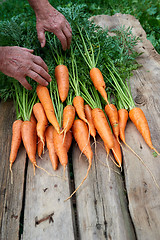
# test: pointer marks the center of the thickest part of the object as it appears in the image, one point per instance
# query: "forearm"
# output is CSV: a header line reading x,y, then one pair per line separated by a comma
x,y
39,6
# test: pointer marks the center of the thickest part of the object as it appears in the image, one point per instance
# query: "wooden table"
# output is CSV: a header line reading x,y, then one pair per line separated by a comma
x,y
111,204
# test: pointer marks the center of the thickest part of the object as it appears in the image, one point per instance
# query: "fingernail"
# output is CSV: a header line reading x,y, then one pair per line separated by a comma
x,y
50,79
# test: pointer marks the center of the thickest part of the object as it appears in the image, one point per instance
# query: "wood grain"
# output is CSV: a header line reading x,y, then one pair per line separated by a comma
x,y
47,216
11,195
101,201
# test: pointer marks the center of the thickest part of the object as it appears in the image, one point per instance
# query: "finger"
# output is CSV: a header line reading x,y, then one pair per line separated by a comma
x,y
39,61
68,35
69,27
41,36
60,35
41,71
24,83
28,50
36,77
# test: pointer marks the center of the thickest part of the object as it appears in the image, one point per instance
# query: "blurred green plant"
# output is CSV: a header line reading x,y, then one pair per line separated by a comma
x,y
146,11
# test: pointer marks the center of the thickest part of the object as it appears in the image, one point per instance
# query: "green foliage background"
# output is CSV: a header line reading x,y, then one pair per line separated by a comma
x,y
146,11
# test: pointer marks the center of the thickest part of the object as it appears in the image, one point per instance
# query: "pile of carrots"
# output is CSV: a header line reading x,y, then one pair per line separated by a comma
x,y
72,108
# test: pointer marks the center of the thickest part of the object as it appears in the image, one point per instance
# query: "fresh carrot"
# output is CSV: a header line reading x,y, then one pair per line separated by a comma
x,y
29,138
68,117
62,78
32,119
40,144
88,54
68,140
78,103
16,141
42,121
81,135
50,146
98,81
102,126
117,152
61,71
137,116
122,118
88,113
112,114
60,148
45,99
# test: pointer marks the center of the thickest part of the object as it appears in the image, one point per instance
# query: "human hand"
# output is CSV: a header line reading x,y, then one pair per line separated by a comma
x,y
49,19
18,62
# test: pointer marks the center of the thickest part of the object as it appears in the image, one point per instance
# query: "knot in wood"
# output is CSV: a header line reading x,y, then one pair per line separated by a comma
x,y
140,99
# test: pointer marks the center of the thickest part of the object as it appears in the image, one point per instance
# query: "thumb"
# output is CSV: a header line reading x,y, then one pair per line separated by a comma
x,y
41,36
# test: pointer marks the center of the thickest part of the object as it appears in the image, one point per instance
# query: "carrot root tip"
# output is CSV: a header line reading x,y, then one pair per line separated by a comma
x,y
11,173
89,167
118,165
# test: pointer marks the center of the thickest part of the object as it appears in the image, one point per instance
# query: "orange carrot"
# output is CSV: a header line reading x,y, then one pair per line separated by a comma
x,y
81,135
117,152
138,118
122,118
32,119
62,78
68,117
42,121
44,97
78,103
102,126
29,138
112,114
98,81
60,149
88,113
49,141
16,141
68,140
40,147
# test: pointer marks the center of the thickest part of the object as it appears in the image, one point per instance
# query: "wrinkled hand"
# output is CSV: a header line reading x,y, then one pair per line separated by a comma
x,y
49,19
19,62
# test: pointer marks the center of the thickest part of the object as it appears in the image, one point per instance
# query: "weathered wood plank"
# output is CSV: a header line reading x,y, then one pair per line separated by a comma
x,y
143,196
11,195
101,202
45,196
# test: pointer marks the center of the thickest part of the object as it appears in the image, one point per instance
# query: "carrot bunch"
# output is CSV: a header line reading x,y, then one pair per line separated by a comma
x,y
59,142
24,130
101,122
129,109
77,103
